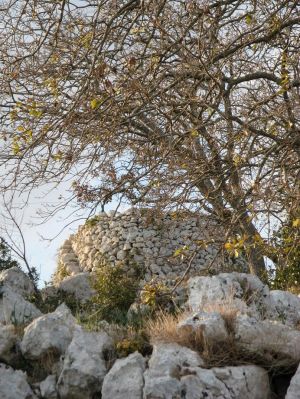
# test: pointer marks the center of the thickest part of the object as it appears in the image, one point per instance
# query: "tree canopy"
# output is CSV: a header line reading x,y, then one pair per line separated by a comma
x,y
185,104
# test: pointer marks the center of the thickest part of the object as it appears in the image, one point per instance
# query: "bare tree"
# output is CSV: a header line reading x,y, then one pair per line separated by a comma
x,y
186,104
14,239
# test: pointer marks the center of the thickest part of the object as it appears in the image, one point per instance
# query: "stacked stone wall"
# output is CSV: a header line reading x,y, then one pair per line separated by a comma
x,y
132,238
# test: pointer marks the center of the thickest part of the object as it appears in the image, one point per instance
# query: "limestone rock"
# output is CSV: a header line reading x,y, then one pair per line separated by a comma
x,y
164,387
125,378
13,384
285,307
50,332
268,338
294,388
166,364
17,280
212,325
84,366
15,309
8,339
241,291
243,382
79,285
48,387
167,357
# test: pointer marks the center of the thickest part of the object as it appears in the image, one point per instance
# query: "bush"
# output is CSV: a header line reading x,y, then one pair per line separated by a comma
x,y
286,276
115,292
93,221
156,295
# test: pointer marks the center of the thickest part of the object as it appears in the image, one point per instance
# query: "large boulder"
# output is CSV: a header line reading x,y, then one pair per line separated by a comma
x,y
17,280
8,340
240,291
268,339
211,324
125,379
13,384
167,362
285,307
243,382
84,365
78,285
15,309
294,388
52,332
175,372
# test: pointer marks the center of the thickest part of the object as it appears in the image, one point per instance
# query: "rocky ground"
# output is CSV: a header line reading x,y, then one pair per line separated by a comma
x,y
234,339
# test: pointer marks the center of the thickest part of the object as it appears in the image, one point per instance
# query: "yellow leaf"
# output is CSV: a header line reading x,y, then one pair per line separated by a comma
x,y
296,222
177,252
194,133
257,238
229,246
94,103
35,113
248,19
237,159
16,147
136,30
57,156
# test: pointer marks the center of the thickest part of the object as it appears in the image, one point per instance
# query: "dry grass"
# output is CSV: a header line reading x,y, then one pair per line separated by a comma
x,y
215,354
164,329
227,309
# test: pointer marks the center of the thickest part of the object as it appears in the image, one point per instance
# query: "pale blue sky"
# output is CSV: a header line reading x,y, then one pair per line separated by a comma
x,y
41,242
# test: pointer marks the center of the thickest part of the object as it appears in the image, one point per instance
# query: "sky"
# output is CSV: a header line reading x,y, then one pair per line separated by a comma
x,y
43,239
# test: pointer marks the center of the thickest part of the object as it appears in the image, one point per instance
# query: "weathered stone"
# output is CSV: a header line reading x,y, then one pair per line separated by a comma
x,y
79,285
268,339
166,363
121,255
48,387
212,325
84,366
125,378
15,309
17,280
243,382
13,384
241,291
294,388
285,307
50,332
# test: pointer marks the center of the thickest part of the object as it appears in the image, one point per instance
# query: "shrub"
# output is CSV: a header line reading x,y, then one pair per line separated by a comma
x,y
131,342
92,221
156,295
115,292
48,303
286,276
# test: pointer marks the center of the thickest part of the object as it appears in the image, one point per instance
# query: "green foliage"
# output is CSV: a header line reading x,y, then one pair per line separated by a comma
x,y
133,340
115,292
155,294
48,303
92,221
6,261
286,276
